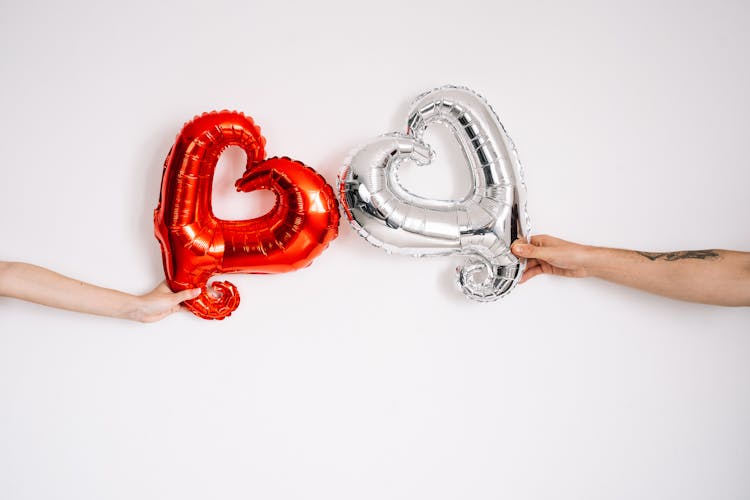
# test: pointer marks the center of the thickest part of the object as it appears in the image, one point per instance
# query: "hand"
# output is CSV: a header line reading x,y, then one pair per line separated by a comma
x,y
160,303
549,255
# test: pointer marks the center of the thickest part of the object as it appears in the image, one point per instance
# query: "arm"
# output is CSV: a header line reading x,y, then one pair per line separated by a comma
x,y
719,277
42,286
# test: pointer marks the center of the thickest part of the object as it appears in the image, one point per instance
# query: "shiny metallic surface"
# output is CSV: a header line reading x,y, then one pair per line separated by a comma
x,y
197,245
482,225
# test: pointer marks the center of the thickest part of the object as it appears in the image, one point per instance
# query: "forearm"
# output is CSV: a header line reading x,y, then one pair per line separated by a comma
x,y
719,277
42,286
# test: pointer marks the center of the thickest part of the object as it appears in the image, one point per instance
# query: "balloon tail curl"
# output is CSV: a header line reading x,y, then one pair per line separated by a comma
x,y
486,282
216,301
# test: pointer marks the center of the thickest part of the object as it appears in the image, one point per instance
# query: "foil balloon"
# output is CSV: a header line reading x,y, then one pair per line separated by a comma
x,y
195,244
482,225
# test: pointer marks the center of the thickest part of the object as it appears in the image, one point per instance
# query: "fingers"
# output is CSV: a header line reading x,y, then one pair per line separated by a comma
x,y
543,239
530,273
532,251
535,268
531,263
158,316
184,295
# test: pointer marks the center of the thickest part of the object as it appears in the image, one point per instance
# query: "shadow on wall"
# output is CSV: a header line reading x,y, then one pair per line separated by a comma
x,y
153,153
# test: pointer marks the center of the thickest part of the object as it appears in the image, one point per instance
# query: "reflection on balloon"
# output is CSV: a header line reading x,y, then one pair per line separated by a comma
x,y
482,225
196,245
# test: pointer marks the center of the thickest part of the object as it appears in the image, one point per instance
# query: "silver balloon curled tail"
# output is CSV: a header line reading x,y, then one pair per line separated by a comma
x,y
482,225
486,282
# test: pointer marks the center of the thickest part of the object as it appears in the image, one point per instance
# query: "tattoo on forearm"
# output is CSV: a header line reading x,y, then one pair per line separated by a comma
x,y
687,254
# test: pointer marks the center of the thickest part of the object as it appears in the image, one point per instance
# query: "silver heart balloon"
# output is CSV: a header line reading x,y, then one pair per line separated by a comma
x,y
482,225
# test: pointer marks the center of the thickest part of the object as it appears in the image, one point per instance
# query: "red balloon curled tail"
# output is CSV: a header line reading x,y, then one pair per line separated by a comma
x,y
196,245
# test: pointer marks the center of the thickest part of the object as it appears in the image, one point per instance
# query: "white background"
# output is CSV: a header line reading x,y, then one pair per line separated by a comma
x,y
368,376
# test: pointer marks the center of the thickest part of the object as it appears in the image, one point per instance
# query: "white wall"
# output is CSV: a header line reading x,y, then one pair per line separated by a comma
x,y
367,376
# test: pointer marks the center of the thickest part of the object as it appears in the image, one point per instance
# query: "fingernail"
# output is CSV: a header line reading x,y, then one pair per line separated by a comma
x,y
519,248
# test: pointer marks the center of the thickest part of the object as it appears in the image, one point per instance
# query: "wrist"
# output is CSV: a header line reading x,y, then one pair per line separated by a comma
x,y
605,262
594,260
131,308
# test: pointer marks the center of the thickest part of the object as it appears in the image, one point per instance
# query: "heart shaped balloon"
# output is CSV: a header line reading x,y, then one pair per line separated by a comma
x,y
196,244
481,225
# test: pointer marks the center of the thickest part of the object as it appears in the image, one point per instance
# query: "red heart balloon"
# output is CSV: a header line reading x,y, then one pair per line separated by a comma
x,y
195,244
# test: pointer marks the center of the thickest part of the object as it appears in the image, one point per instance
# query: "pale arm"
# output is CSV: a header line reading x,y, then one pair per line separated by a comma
x,y
42,286
719,277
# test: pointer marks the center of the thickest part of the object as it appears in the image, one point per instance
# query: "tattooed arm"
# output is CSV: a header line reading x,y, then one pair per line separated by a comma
x,y
720,277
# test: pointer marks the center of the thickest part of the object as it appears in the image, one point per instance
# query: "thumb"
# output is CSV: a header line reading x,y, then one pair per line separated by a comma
x,y
187,294
532,251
